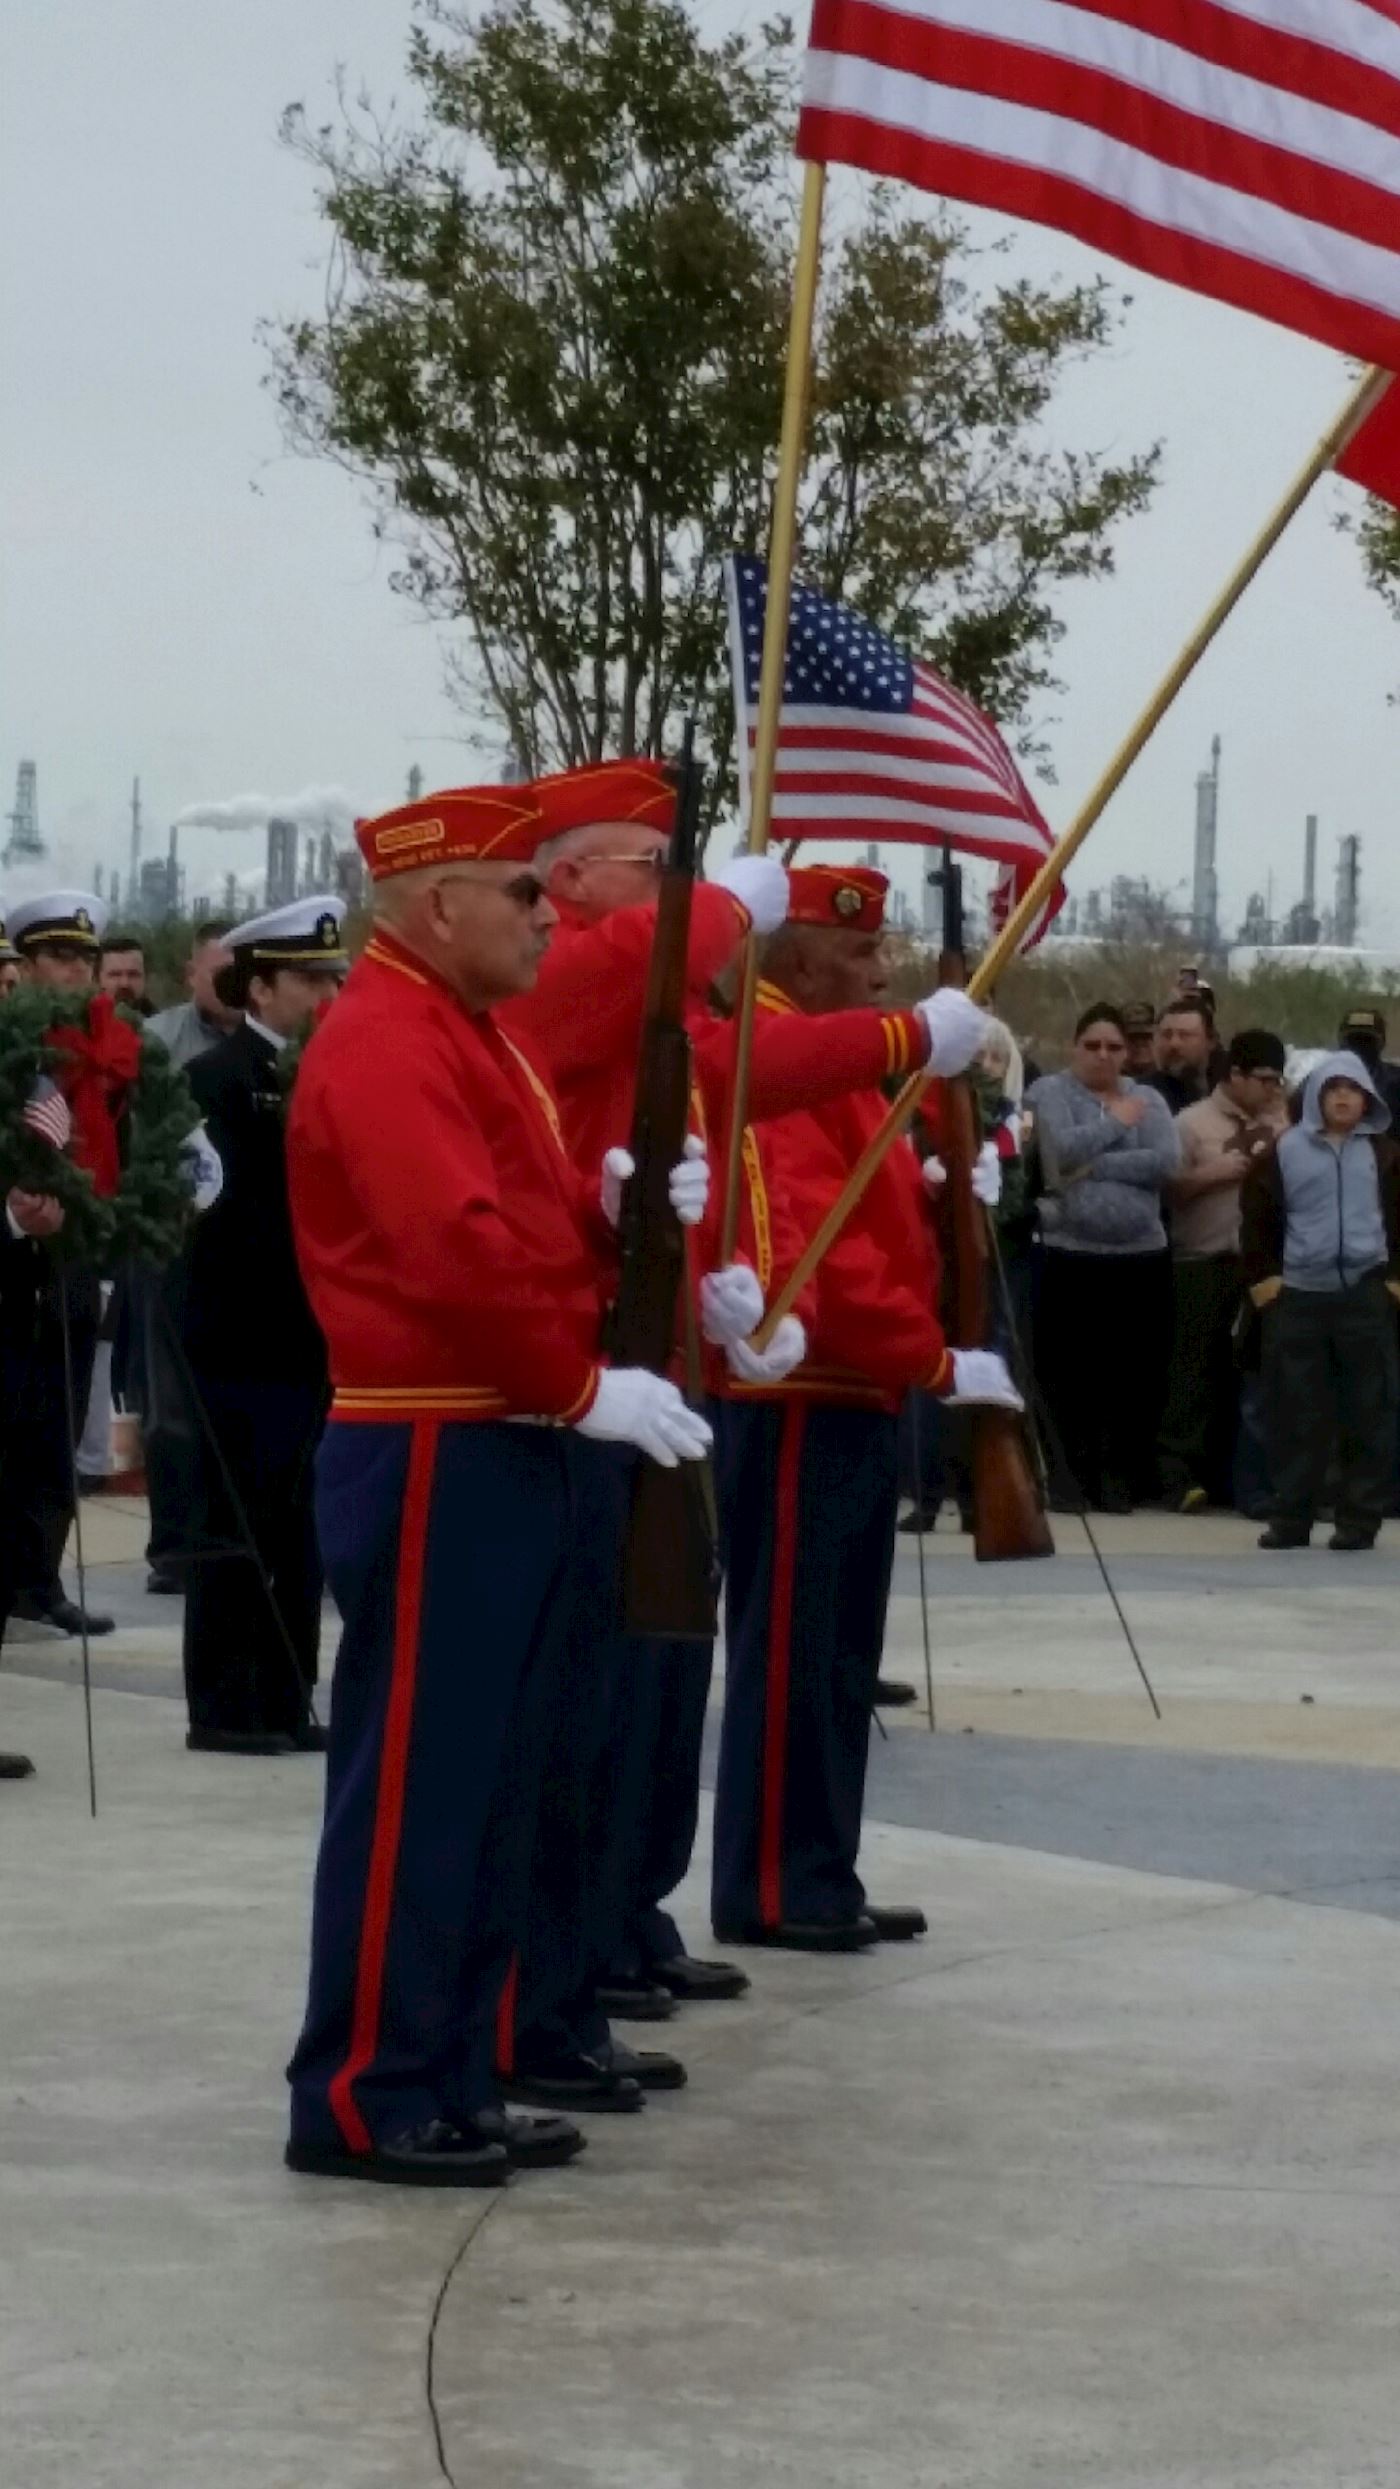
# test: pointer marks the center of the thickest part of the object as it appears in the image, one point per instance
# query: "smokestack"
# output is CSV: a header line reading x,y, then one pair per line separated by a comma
x,y
1205,891
1348,892
133,879
1310,865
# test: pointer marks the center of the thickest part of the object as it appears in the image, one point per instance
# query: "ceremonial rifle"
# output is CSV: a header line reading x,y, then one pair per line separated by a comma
x,y
671,1567
1008,1519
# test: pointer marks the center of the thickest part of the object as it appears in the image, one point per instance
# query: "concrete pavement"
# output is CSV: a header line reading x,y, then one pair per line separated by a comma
x,y
1097,2188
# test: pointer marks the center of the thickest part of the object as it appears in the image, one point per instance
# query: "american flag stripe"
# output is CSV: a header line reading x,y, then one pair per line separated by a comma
x,y
1247,149
46,1112
873,744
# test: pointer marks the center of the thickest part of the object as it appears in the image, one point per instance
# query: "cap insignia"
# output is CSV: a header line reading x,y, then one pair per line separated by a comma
x,y
82,920
847,901
328,932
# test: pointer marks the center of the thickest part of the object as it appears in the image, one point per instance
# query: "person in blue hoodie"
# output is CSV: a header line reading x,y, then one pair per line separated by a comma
x,y
1320,1243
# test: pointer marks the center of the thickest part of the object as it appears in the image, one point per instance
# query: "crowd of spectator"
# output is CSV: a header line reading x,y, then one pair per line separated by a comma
x,y
1203,1249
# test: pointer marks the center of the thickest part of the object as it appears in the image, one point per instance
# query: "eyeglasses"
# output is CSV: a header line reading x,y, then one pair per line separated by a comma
x,y
1266,1080
654,858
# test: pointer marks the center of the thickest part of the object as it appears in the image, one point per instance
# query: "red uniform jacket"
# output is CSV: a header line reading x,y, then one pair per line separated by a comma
x,y
451,1253
873,1330
583,1018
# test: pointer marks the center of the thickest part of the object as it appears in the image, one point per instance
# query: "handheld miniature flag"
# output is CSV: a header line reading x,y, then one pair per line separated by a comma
x,y
874,745
46,1112
1246,149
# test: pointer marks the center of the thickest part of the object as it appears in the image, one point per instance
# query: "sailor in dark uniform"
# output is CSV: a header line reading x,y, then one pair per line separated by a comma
x,y
256,1360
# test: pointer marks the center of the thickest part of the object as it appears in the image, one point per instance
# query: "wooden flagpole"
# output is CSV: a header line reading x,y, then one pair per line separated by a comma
x,y
781,549
1359,405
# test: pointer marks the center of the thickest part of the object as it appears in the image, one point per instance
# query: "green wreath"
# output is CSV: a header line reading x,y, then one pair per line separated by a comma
x,y
149,1216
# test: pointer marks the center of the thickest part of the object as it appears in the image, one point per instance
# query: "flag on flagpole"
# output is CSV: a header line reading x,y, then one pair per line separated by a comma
x,y
1246,149
46,1111
874,745
1372,456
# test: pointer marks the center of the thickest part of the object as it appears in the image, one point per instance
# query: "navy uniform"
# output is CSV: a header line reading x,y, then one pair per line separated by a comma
x,y
257,1363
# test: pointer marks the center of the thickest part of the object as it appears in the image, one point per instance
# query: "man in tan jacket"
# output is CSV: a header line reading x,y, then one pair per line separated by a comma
x,y
1220,1138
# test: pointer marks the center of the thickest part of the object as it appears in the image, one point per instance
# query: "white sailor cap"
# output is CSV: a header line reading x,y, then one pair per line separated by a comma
x,y
303,934
75,916
8,953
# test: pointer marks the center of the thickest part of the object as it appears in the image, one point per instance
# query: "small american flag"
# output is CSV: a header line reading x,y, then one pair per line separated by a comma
x,y
874,745
46,1112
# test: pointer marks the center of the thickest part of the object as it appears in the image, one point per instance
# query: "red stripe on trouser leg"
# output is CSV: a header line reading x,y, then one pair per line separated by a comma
x,y
505,2019
389,1796
775,1705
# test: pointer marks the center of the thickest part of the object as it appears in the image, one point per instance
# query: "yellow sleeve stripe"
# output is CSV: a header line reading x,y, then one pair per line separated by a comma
x,y
897,1051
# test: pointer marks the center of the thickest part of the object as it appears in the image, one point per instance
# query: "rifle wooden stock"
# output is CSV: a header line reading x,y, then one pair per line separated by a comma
x,y
670,1568
1008,1519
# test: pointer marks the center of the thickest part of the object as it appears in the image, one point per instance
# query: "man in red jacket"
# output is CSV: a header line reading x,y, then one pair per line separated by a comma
x,y
805,1467
457,1265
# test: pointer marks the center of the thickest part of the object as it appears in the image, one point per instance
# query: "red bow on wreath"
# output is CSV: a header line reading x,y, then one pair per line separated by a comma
x,y
99,1064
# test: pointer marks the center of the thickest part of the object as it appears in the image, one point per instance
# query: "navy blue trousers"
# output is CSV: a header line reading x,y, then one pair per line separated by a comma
x,y
450,1553
807,1497
647,1801
549,2009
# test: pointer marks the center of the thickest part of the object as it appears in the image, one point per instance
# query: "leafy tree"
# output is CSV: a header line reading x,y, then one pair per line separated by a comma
x,y
1378,534
552,351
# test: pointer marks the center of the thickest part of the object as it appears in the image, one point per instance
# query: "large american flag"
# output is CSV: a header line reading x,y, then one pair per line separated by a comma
x,y
1247,149
874,745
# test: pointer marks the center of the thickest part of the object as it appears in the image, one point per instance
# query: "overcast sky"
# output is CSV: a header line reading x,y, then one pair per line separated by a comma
x,y
181,599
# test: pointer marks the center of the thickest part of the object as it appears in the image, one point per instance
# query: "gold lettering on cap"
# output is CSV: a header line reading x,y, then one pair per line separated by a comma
x,y
409,834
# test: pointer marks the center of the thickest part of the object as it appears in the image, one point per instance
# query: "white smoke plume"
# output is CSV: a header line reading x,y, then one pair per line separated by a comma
x,y
316,808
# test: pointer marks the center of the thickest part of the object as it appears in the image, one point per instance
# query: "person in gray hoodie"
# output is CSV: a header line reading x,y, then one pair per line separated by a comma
x,y
1320,1244
1106,1146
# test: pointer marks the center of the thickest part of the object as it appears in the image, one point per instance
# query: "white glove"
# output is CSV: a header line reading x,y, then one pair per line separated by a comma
x,y
634,1406
981,1380
772,1364
203,1168
689,1183
619,1167
935,1174
986,1176
760,884
956,1028
731,1304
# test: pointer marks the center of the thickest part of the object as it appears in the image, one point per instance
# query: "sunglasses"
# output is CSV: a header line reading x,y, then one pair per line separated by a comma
x,y
1103,1045
526,889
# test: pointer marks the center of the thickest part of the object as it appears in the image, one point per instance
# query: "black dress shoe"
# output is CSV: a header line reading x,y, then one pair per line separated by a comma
x,y
237,1741
699,1983
539,2142
635,2000
576,2082
438,2154
1351,1542
310,1738
163,1583
896,1925
1278,1534
68,1616
654,2068
891,1693
918,1521
804,1935
15,1767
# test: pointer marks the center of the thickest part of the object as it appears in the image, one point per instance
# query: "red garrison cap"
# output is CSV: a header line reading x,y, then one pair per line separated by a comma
x,y
472,824
851,896
605,791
